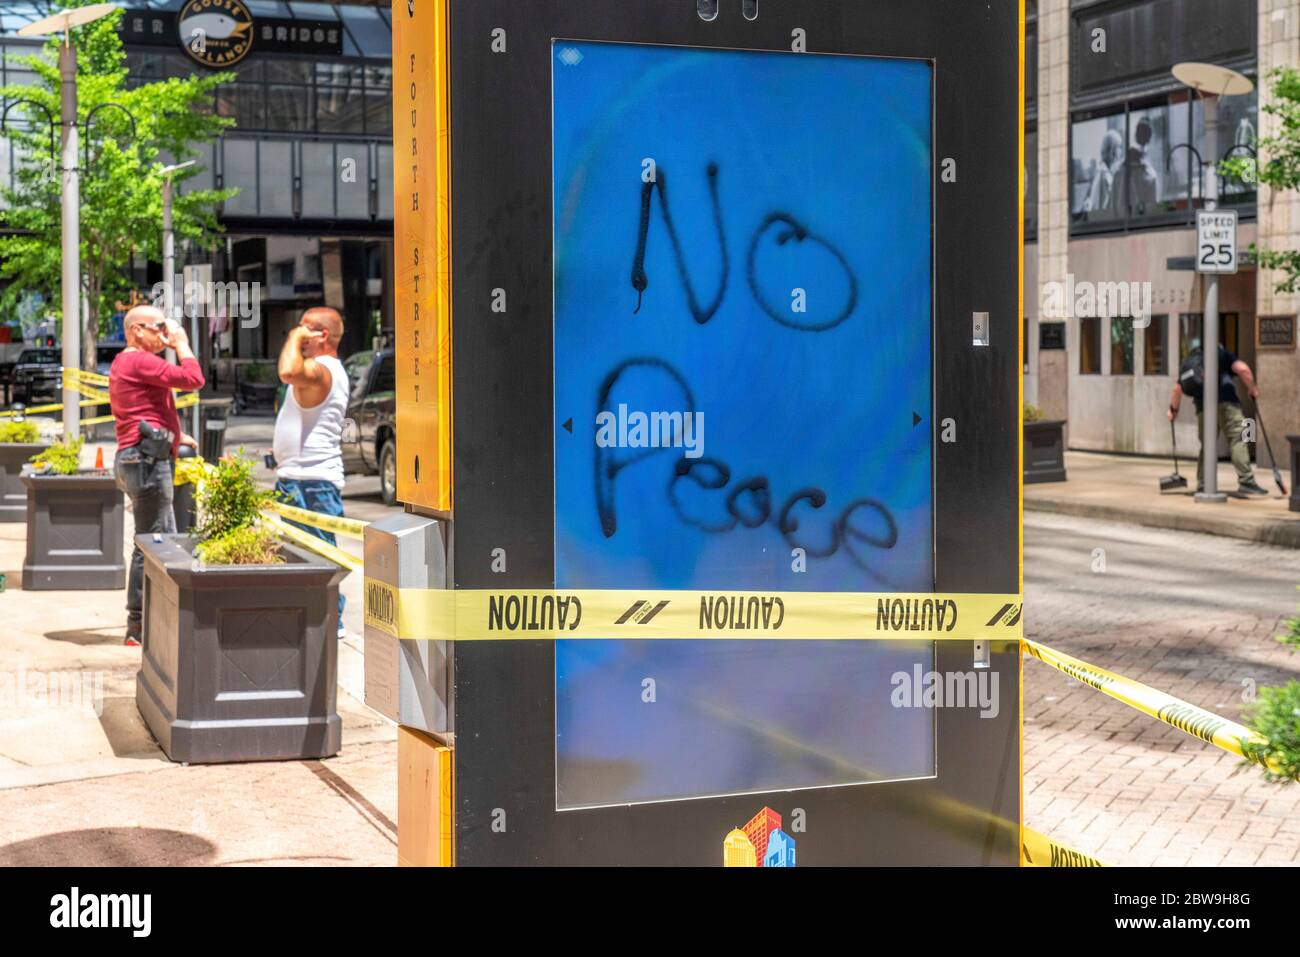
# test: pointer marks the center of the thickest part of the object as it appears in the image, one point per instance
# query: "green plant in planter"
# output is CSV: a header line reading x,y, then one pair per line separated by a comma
x,y
19,433
260,373
230,507
1292,636
63,458
1275,714
1033,413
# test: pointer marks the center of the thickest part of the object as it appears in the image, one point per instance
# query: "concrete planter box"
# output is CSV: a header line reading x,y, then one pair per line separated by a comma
x,y
240,662
1293,503
1044,452
74,533
13,494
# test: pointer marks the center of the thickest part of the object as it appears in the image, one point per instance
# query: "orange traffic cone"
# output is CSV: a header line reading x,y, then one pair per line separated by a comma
x,y
99,457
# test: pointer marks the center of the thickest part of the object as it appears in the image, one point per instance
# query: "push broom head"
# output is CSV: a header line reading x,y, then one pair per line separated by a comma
x,y
1171,482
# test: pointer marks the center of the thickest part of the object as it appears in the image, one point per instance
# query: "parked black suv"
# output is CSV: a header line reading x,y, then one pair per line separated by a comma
x,y
38,372
370,429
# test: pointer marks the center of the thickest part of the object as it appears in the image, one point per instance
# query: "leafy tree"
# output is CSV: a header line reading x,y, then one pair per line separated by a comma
x,y
121,189
1278,166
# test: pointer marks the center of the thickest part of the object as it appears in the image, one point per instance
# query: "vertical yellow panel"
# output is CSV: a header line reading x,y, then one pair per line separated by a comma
x,y
422,252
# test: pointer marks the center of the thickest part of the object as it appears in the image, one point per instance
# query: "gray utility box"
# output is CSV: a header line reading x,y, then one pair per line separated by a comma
x,y
409,681
74,533
13,494
240,662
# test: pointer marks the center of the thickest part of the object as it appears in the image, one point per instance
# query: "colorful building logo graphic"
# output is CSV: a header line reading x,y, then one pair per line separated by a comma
x,y
760,843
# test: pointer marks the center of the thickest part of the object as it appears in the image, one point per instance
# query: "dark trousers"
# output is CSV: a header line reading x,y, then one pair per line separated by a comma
x,y
314,495
148,484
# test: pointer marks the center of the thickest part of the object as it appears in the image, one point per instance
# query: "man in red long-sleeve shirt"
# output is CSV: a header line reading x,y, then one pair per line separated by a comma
x,y
140,384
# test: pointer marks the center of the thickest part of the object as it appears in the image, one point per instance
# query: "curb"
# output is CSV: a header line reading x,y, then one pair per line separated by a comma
x,y
1285,534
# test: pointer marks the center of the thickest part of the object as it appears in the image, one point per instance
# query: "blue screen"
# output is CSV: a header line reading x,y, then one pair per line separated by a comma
x,y
743,346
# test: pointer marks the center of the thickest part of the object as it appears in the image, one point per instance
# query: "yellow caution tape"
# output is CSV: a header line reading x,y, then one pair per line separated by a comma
x,y
1037,850
351,527
94,378
1175,712
317,545
632,614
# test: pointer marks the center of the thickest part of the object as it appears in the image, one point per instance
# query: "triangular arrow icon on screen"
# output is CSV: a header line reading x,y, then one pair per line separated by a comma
x,y
568,426
916,420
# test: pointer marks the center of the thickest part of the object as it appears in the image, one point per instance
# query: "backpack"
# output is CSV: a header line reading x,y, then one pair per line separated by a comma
x,y
1191,375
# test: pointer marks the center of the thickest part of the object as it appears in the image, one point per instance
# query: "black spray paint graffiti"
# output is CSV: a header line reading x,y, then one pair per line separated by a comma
x,y
749,501
794,230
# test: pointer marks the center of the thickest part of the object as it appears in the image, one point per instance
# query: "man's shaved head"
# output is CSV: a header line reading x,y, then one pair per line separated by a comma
x,y
140,314
326,318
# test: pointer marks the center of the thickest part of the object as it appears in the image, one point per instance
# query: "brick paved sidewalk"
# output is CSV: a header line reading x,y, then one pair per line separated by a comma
x,y
1115,783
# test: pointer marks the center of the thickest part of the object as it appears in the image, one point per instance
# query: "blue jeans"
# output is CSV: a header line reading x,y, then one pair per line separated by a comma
x,y
149,486
315,495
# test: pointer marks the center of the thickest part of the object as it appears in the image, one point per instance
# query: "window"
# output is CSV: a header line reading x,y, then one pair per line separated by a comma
x,y
1190,326
1096,154
1155,361
1149,182
385,378
1238,136
1121,346
1130,166
1090,346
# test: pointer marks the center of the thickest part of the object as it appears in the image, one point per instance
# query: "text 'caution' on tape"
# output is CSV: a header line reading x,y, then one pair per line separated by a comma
x,y
1037,850
1175,712
625,614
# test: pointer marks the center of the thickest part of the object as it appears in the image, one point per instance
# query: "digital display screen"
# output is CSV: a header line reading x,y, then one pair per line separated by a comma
x,y
742,364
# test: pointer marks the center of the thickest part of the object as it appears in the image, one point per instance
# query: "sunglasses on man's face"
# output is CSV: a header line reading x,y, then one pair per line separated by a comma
x,y
155,326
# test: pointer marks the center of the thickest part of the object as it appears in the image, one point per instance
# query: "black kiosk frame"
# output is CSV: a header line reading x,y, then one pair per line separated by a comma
x,y
499,61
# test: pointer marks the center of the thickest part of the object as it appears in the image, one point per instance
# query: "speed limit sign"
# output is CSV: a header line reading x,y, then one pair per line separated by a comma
x,y
1216,241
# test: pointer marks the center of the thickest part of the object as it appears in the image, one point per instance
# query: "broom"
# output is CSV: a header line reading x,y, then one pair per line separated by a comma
x,y
1277,475
1174,481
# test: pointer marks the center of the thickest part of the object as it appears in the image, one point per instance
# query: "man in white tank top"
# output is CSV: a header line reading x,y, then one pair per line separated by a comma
x,y
309,428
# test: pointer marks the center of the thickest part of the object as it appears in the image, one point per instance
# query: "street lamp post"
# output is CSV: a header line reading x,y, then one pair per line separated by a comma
x,y
169,258
1211,82
64,23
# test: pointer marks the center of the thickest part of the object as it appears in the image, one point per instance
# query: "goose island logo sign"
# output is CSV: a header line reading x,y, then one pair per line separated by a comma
x,y
216,33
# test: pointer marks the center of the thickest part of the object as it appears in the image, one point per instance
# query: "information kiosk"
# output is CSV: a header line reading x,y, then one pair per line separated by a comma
x,y
708,425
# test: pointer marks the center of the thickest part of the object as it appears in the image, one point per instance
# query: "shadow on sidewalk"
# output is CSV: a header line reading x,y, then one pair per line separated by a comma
x,y
110,847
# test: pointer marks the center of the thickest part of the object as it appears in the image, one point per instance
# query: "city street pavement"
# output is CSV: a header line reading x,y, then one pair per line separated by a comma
x,y
77,786
1192,615
1125,488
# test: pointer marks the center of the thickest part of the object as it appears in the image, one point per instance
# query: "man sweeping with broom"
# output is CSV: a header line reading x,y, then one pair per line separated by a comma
x,y
1191,380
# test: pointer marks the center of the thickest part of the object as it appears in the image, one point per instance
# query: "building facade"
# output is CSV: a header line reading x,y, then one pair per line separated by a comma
x,y
1113,180
310,152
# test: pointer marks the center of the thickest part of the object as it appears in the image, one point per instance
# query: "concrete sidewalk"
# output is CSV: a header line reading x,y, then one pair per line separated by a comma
x,y
83,782
1120,488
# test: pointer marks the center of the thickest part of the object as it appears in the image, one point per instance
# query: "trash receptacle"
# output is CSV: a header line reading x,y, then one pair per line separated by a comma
x,y
183,496
213,414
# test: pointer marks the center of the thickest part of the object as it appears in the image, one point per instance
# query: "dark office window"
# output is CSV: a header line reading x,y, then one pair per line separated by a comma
x,y
1190,326
243,101
280,70
1144,38
289,108
1090,346
1155,359
1121,346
